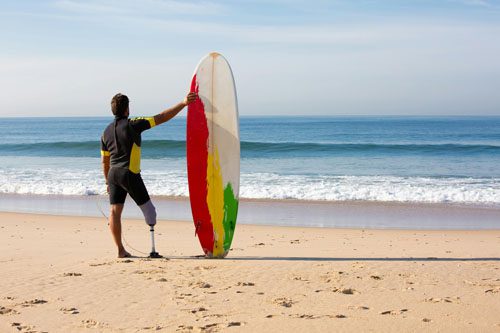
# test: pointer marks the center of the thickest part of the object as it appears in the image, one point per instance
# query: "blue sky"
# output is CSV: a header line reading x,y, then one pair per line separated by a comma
x,y
69,57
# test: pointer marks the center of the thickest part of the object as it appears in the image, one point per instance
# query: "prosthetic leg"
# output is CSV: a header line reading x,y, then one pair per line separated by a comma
x,y
153,253
149,211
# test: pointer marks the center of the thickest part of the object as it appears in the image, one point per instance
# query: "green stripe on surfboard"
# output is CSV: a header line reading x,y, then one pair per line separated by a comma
x,y
230,213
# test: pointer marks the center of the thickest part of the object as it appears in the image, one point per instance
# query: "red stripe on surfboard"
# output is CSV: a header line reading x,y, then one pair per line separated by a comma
x,y
197,159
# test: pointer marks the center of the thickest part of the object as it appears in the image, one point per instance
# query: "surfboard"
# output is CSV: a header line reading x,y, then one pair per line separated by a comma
x,y
213,155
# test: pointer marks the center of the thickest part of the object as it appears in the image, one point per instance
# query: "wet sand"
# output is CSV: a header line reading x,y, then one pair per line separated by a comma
x,y
345,214
60,274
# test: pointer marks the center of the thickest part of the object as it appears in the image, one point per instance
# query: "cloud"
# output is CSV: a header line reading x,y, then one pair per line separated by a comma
x,y
156,17
487,5
396,65
38,86
482,3
143,7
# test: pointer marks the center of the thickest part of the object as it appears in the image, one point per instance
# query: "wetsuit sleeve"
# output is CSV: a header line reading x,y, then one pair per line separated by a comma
x,y
104,149
143,123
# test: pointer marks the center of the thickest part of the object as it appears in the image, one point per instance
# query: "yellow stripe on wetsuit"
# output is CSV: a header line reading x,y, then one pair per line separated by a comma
x,y
135,153
151,120
135,159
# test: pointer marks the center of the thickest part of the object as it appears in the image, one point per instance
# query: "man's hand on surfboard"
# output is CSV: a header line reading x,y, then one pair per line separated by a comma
x,y
191,97
169,113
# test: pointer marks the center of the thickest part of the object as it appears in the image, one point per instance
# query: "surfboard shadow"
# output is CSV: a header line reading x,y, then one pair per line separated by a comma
x,y
337,259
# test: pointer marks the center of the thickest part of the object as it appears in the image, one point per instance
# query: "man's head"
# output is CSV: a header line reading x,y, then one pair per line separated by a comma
x,y
119,105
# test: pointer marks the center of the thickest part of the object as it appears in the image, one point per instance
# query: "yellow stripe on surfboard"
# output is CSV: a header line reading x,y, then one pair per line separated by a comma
x,y
215,200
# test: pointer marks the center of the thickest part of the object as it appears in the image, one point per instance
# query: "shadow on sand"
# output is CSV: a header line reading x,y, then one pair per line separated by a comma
x,y
319,259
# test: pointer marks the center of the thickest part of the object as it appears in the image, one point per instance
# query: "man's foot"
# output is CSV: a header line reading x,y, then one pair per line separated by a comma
x,y
124,254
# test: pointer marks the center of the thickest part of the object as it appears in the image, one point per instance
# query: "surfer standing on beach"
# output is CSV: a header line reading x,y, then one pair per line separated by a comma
x,y
121,161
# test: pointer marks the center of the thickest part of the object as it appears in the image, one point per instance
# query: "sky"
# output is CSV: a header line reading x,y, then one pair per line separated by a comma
x,y
297,57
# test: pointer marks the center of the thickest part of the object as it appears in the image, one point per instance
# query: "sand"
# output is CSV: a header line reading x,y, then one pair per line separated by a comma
x,y
60,274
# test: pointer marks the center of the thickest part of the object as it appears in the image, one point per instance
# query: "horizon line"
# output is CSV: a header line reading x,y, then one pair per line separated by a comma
x,y
284,116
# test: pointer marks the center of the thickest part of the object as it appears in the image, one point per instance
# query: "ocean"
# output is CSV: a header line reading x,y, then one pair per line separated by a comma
x,y
381,159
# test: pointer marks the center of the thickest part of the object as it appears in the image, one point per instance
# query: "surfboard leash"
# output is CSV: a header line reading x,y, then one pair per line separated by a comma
x,y
123,234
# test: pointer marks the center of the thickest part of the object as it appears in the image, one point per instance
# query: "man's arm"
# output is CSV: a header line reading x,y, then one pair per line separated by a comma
x,y
173,111
105,168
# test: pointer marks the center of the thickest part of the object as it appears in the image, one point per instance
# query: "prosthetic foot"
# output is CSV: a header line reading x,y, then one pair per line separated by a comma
x,y
153,253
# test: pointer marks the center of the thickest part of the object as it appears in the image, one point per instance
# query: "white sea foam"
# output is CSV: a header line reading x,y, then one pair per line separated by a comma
x,y
372,188
89,181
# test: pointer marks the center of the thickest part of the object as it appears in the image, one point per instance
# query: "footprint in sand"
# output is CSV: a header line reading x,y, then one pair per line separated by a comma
x,y
69,310
7,311
126,261
91,323
304,316
455,299
215,315
100,264
200,309
22,328
332,276
184,328
346,291
202,268
299,278
393,312
153,328
200,284
361,307
283,301
209,327
33,302
234,323
150,271
493,291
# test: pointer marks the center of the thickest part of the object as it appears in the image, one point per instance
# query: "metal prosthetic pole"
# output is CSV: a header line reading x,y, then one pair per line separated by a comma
x,y
153,253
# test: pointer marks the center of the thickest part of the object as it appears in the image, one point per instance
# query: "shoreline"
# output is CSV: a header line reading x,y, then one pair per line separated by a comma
x,y
345,214
344,228
291,201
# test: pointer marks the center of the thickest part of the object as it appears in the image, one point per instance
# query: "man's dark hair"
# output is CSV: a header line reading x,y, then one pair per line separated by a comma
x,y
119,105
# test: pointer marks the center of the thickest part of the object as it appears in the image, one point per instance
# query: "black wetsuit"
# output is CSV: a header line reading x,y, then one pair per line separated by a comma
x,y
121,141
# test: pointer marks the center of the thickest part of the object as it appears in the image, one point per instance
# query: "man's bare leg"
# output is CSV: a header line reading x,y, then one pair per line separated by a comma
x,y
115,225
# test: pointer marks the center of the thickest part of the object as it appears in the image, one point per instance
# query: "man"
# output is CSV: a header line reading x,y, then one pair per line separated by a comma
x,y
121,162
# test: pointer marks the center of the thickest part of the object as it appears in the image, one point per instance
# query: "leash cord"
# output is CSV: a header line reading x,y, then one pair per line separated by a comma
x,y
123,234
